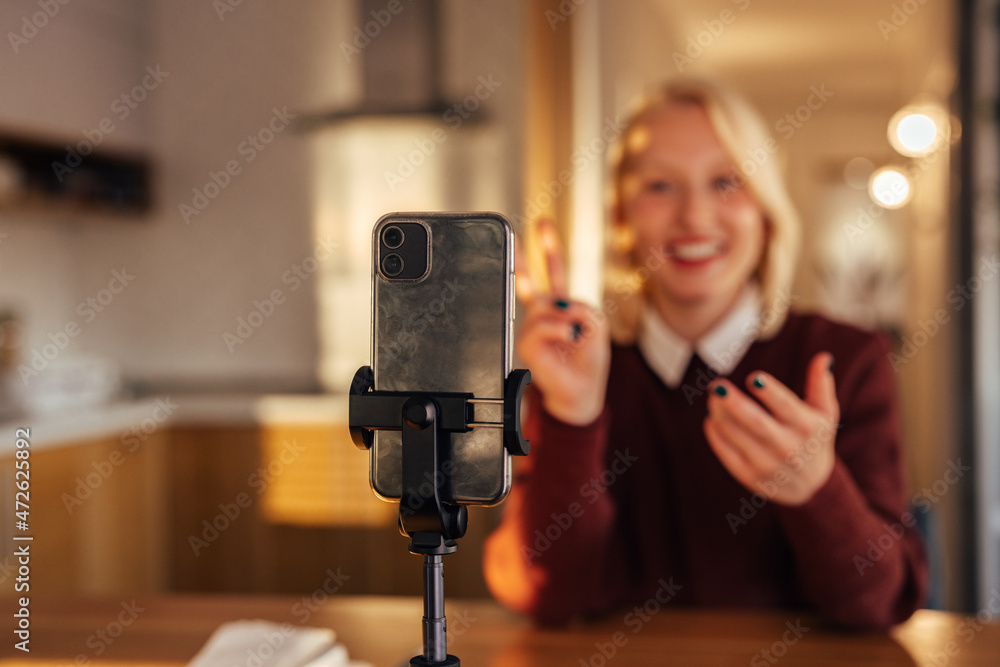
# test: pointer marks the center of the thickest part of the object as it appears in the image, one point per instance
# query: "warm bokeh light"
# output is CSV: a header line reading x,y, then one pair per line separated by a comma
x,y
890,187
913,132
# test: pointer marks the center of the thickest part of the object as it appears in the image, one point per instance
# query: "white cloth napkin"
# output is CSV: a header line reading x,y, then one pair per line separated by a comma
x,y
266,644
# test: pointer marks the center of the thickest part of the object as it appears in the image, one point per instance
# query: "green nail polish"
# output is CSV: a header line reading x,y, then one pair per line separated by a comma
x,y
759,382
720,390
562,303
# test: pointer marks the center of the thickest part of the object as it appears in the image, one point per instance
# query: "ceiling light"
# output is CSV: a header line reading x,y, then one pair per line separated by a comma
x,y
890,187
914,132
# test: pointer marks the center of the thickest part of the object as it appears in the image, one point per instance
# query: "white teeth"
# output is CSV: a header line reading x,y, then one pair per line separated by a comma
x,y
695,251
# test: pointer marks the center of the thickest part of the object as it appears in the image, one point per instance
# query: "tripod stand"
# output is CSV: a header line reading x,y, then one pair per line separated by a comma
x,y
433,525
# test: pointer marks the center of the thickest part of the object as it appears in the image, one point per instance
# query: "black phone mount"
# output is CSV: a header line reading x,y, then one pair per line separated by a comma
x,y
433,525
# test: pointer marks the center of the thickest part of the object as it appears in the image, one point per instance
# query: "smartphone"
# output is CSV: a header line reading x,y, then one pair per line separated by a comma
x,y
442,313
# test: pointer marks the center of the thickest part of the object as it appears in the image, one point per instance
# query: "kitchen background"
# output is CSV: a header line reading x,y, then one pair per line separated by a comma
x,y
182,309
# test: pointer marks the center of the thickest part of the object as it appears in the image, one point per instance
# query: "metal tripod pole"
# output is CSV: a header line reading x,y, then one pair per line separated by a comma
x,y
435,624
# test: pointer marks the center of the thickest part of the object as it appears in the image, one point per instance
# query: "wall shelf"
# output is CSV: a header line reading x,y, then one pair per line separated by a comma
x,y
47,176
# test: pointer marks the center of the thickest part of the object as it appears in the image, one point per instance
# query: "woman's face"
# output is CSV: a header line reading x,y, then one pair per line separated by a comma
x,y
698,230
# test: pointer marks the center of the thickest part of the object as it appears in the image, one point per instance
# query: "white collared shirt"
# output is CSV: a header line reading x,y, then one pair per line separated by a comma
x,y
721,349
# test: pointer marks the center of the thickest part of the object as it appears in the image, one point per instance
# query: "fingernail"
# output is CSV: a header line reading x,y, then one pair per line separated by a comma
x,y
758,381
577,330
562,303
720,390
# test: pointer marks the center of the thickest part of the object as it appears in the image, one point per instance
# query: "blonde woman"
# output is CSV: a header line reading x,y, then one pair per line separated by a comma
x,y
713,453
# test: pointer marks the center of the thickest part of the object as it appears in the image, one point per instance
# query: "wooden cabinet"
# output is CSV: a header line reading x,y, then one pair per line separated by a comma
x,y
97,515
263,509
287,509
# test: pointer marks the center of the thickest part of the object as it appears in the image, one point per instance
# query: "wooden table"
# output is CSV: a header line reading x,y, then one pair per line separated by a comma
x,y
386,632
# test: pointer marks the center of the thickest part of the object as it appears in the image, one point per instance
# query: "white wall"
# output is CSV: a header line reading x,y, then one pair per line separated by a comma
x,y
221,79
195,277
225,76
50,90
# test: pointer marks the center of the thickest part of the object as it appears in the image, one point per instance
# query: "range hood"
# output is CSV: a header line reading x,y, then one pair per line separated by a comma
x,y
398,45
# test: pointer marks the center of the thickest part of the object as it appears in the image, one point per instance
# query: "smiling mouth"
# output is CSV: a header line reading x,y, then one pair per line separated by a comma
x,y
695,252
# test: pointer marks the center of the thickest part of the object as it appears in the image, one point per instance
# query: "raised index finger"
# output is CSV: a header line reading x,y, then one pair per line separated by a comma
x,y
553,258
524,285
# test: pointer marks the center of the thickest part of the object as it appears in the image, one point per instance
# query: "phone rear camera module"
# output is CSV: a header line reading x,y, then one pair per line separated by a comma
x,y
403,250
392,265
392,237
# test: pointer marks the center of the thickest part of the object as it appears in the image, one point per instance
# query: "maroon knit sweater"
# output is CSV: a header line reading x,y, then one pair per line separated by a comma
x,y
636,506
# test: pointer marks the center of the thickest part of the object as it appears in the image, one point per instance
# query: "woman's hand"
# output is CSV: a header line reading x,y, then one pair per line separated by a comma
x,y
565,344
786,451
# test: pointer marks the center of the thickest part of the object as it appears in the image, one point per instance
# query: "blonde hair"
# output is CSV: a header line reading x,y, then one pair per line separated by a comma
x,y
746,139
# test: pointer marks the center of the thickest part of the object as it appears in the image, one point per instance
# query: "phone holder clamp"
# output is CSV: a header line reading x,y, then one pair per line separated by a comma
x,y
426,421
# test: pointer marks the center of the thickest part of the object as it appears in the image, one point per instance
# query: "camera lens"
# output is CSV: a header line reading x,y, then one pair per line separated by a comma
x,y
392,265
392,237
